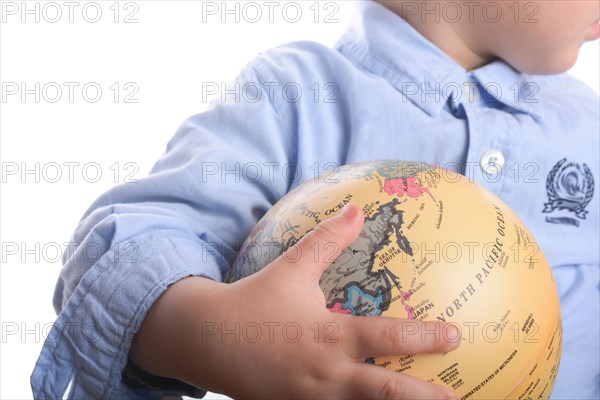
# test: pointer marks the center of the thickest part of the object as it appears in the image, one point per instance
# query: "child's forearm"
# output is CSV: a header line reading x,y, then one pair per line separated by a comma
x,y
169,339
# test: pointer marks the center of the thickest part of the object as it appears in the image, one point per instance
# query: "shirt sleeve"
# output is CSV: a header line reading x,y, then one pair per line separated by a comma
x,y
221,172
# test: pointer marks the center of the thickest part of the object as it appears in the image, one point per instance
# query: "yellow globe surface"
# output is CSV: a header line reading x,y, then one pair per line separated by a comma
x,y
434,246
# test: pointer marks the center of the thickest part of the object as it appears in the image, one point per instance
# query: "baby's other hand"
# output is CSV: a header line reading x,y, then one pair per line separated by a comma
x,y
271,336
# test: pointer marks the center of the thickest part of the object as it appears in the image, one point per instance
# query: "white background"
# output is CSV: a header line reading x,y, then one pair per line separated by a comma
x,y
165,57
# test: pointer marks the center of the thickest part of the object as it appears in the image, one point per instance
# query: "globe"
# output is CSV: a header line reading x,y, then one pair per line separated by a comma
x,y
434,246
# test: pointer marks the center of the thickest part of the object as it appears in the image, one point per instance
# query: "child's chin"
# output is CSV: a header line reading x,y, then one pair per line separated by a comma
x,y
556,64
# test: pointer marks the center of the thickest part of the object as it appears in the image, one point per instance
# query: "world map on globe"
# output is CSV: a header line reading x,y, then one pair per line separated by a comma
x,y
434,246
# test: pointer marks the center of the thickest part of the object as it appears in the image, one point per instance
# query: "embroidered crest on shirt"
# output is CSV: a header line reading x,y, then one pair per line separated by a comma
x,y
570,187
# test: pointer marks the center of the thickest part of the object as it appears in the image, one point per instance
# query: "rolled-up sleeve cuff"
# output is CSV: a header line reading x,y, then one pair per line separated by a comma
x,y
88,345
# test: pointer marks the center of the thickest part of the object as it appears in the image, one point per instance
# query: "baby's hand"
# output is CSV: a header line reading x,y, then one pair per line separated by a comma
x,y
271,336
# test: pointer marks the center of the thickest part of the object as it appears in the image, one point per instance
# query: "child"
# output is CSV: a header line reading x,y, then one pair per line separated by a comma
x,y
459,84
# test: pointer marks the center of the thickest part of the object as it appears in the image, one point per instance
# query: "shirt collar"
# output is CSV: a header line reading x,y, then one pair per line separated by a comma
x,y
511,87
388,46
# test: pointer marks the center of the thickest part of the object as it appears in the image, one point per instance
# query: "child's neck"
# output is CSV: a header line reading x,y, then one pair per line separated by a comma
x,y
448,37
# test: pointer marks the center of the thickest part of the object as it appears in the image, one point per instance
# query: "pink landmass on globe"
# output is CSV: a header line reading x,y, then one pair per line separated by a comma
x,y
337,307
405,296
405,186
409,312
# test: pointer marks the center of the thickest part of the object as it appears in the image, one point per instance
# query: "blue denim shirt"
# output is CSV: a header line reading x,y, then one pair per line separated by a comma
x,y
382,92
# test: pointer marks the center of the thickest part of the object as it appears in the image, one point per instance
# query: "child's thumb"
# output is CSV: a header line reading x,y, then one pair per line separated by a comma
x,y
321,246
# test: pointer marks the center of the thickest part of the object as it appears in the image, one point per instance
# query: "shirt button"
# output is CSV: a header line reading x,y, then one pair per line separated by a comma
x,y
492,162
470,91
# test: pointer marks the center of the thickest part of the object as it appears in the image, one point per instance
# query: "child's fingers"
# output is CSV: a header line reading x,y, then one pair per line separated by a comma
x,y
372,382
384,336
321,246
